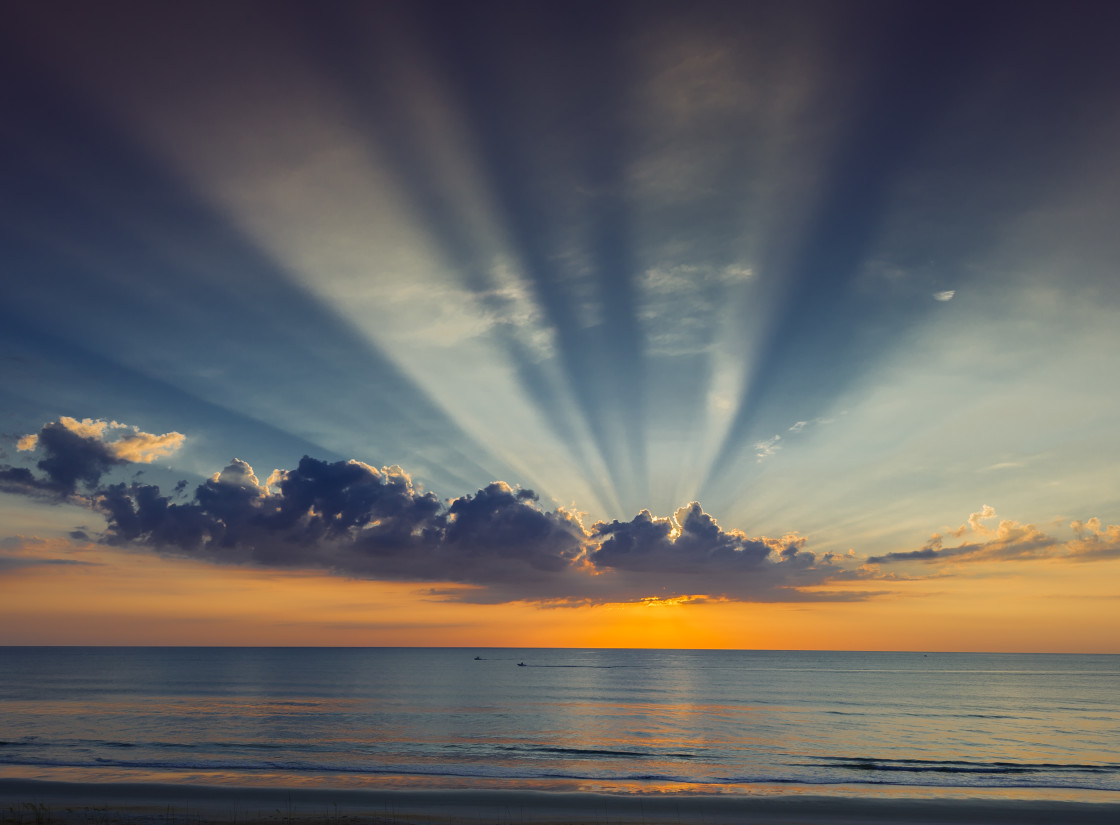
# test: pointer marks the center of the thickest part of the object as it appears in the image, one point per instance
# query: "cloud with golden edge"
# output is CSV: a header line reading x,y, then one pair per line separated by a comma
x,y
144,448
79,452
1013,541
137,447
1094,541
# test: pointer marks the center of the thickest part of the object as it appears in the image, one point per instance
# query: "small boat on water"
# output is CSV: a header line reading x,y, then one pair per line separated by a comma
x,y
521,664
478,658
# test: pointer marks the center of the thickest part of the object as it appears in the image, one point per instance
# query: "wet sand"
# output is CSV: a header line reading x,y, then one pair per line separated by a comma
x,y
31,802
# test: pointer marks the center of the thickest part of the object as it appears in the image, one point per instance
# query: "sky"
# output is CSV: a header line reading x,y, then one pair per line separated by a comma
x,y
776,325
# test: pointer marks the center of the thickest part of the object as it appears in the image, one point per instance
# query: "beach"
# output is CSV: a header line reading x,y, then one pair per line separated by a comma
x,y
32,802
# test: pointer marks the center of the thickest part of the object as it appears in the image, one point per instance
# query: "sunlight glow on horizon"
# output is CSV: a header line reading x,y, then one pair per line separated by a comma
x,y
124,598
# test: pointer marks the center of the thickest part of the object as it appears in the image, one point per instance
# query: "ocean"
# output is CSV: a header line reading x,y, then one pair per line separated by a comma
x,y
623,721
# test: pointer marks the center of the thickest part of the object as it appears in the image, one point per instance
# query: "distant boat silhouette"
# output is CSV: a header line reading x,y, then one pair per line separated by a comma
x,y
478,658
521,664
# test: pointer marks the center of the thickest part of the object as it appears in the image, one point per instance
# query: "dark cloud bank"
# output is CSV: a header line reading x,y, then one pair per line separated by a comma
x,y
495,545
356,520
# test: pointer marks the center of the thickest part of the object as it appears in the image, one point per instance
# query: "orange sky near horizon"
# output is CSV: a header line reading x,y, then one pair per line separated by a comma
x,y
121,597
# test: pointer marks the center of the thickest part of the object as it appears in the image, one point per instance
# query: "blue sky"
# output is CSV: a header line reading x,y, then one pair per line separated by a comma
x,y
844,271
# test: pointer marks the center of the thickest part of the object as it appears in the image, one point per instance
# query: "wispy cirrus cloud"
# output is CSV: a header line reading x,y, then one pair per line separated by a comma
x,y
22,552
772,445
682,307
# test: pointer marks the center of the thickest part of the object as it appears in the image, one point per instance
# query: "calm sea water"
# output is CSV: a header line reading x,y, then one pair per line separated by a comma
x,y
613,720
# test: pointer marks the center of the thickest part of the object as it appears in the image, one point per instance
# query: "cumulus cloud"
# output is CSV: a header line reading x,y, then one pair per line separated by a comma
x,y
1012,541
351,518
690,541
1094,541
81,452
497,544
689,554
73,453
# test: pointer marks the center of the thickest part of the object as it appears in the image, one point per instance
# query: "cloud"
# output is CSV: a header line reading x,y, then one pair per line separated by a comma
x,y
691,540
1013,541
73,454
495,545
351,518
509,305
80,452
1008,541
1004,465
1094,541
9,563
680,306
23,552
771,446
506,524
767,448
144,448
690,554
24,482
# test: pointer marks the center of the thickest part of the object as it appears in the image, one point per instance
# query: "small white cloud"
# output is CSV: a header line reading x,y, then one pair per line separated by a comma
x,y
764,449
237,474
801,426
947,295
1005,465
736,273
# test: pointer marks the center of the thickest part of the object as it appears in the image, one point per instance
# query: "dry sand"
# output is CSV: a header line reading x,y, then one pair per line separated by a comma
x,y
29,802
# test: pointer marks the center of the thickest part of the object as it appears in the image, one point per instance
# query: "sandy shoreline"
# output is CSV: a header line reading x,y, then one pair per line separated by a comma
x,y
33,802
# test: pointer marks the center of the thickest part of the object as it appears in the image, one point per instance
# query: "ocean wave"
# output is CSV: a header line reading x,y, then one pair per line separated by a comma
x,y
959,766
